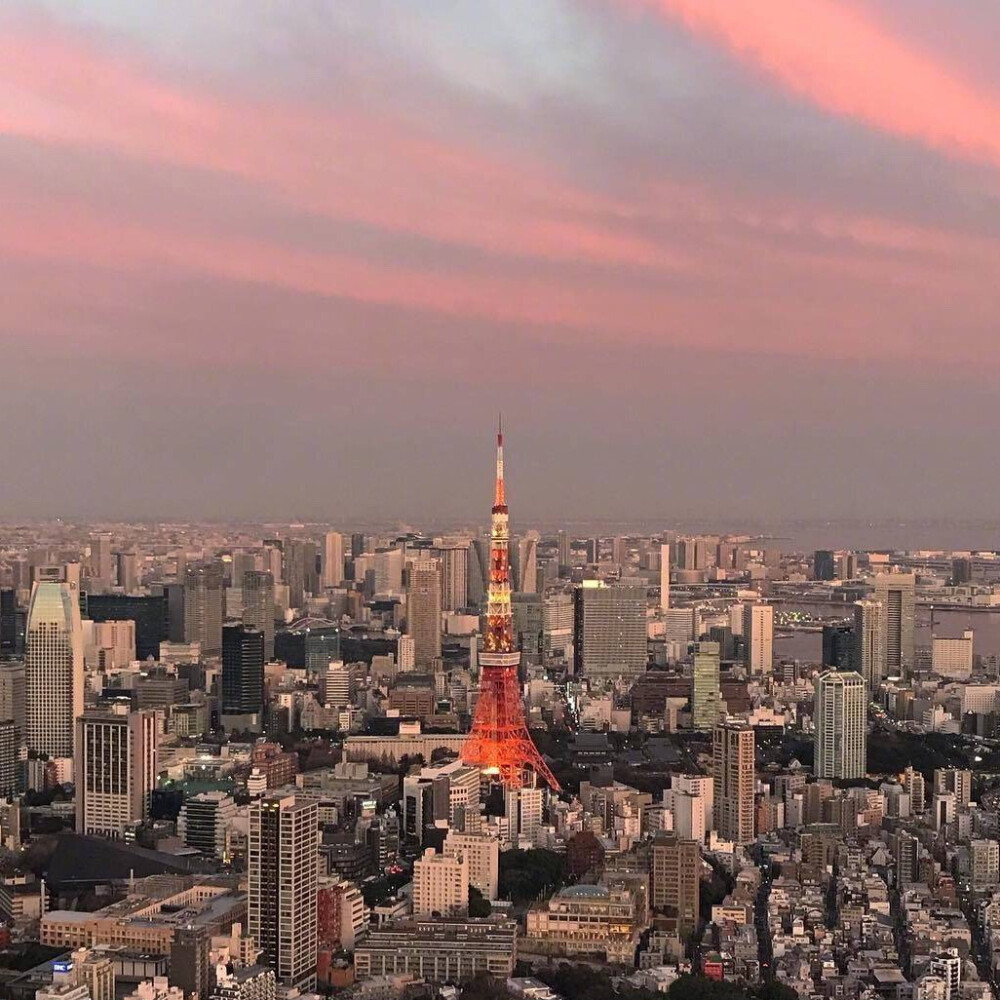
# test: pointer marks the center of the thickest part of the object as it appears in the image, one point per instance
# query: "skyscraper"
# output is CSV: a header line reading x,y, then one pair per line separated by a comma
x,y
609,627
758,637
824,566
664,577
841,704
527,579
733,749
148,612
705,697
128,571
300,570
282,851
869,642
454,560
53,669
203,602
242,670
333,559
675,877
115,770
897,592
12,696
101,566
478,572
190,967
258,607
565,555
838,646
423,611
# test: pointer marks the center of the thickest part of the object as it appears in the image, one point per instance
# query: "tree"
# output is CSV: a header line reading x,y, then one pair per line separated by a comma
x,y
526,875
483,986
479,905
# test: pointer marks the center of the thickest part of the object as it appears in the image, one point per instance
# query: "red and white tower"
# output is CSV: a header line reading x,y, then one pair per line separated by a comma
x,y
499,742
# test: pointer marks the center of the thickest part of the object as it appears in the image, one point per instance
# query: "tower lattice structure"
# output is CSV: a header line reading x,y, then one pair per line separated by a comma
x,y
499,742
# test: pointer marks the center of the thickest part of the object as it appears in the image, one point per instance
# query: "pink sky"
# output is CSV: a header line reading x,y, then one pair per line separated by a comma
x,y
621,189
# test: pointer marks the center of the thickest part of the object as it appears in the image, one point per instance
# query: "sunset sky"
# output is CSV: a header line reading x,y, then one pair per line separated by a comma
x,y
289,259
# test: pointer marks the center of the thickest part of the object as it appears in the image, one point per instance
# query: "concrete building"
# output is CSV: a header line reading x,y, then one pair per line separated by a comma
x,y
609,631
482,855
897,593
203,604
841,717
869,642
733,748
283,847
258,607
204,822
440,885
675,873
333,559
984,863
53,669
706,700
423,612
758,637
587,921
115,770
664,577
952,658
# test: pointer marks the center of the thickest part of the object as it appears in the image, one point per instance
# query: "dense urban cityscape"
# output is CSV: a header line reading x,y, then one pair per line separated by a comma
x,y
260,761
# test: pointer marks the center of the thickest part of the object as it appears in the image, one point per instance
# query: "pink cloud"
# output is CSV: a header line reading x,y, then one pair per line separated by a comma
x,y
835,56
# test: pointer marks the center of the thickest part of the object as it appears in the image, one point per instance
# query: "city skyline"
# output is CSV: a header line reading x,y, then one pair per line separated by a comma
x,y
733,269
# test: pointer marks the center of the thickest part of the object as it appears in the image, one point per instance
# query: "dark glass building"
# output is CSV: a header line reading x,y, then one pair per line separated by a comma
x,y
148,613
838,646
242,670
824,565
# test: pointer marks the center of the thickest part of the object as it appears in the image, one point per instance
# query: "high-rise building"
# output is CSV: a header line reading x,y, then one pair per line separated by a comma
x,y
565,550
191,969
357,544
961,571
529,625
706,700
204,822
824,567
282,853
758,637
116,771
664,577
102,561
258,607
609,630
203,602
12,696
333,559
897,592
482,854
9,644
300,570
127,571
869,642
984,862
53,669
953,658
841,705
527,560
557,624
148,612
242,670
733,749
478,572
955,781
454,561
440,885
618,550
675,874
9,743
838,646
423,611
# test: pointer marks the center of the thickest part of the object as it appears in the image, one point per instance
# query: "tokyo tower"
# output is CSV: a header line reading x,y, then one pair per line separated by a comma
x,y
499,743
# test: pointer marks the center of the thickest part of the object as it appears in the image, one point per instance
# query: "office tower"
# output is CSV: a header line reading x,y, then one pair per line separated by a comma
x,y
984,862
664,577
454,562
897,592
841,705
527,577
523,809
907,859
440,885
191,969
618,554
204,820
9,743
692,554
300,570
952,658
53,669
698,786
282,853
847,566
12,696
128,571
961,571
869,642
203,607
8,623
389,571
947,966
149,614
242,670
101,566
758,637
733,751
499,743
258,607
824,567
838,647
529,627
680,624
357,544
478,573
333,559
423,612
706,700
557,624
337,684
565,550
593,550
116,771
108,646
955,781
322,647
609,628
914,786
675,874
